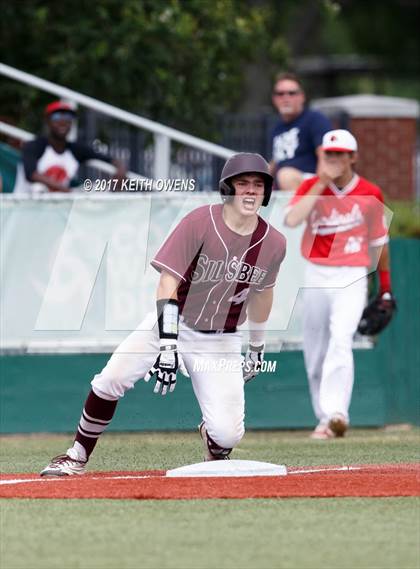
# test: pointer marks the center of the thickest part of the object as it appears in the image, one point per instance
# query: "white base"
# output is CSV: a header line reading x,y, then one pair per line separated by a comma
x,y
228,468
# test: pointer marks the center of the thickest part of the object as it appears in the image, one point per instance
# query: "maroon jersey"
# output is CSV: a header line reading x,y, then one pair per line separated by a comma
x,y
219,268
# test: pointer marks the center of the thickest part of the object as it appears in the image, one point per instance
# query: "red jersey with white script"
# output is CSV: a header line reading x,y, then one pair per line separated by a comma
x,y
219,268
343,223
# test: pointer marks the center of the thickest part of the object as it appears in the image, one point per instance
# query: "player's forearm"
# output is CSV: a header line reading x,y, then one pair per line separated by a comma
x,y
168,286
260,305
380,258
168,360
259,309
384,271
384,260
167,311
303,208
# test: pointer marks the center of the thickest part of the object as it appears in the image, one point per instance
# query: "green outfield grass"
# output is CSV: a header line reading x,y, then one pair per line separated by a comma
x,y
285,533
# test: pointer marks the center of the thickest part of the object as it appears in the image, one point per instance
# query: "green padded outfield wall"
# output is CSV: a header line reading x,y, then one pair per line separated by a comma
x,y
9,159
44,393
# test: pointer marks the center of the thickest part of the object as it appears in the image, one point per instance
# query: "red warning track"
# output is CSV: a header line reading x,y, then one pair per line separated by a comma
x,y
318,481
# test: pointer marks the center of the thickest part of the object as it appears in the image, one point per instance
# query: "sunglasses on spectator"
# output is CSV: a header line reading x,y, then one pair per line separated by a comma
x,y
61,116
284,93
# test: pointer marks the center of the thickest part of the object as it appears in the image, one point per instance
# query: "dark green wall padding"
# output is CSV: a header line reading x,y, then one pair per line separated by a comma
x,y
9,160
45,393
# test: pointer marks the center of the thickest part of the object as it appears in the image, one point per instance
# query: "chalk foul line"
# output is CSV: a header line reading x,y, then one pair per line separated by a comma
x,y
147,476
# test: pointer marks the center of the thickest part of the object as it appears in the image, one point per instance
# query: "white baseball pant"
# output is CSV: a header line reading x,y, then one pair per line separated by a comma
x,y
333,305
212,360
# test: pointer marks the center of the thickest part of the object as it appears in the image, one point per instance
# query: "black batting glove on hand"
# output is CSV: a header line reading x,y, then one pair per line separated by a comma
x,y
253,362
165,367
169,360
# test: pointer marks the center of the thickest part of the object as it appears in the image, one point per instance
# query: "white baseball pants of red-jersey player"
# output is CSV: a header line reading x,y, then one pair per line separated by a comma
x,y
334,298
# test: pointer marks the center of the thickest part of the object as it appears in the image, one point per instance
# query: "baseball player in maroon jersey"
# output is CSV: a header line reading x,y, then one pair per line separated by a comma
x,y
217,268
345,234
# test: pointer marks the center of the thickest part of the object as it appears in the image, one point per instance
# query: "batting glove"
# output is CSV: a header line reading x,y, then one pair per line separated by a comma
x,y
253,362
168,361
165,367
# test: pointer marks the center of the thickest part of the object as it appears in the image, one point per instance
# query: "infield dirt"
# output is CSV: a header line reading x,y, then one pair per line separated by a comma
x,y
381,480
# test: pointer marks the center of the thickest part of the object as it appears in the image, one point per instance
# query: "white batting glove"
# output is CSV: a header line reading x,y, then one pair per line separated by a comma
x,y
165,367
253,362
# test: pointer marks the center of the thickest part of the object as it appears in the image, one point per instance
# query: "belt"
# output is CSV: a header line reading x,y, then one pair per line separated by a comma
x,y
220,331
223,331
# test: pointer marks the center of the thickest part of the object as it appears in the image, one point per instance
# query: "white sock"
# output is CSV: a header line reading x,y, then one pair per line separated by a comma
x,y
77,452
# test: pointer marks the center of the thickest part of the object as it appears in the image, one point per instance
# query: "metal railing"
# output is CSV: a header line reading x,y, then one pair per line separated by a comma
x,y
163,135
24,135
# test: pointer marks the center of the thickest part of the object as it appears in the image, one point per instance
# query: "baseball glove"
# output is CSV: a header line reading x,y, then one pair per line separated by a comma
x,y
377,315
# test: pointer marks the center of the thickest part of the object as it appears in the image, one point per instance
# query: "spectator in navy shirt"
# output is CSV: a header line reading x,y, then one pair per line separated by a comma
x,y
51,162
297,137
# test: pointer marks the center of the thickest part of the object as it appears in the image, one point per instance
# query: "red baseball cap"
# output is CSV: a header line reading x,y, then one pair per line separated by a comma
x,y
339,140
58,106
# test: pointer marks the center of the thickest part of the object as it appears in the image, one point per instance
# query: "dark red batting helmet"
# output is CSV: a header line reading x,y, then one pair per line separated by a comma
x,y
245,163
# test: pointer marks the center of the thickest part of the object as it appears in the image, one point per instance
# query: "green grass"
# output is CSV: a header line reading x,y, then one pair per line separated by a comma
x,y
342,533
320,533
22,453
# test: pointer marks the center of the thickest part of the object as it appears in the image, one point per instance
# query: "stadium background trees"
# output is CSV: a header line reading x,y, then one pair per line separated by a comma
x,y
183,62
178,62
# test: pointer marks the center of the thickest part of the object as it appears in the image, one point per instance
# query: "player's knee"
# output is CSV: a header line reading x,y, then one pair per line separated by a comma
x,y
342,343
289,179
108,386
228,434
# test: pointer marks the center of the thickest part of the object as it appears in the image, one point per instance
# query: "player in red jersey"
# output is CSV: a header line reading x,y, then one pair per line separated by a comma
x,y
217,268
345,234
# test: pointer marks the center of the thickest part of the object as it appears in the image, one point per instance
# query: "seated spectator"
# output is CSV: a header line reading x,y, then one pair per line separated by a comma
x,y
297,136
51,162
